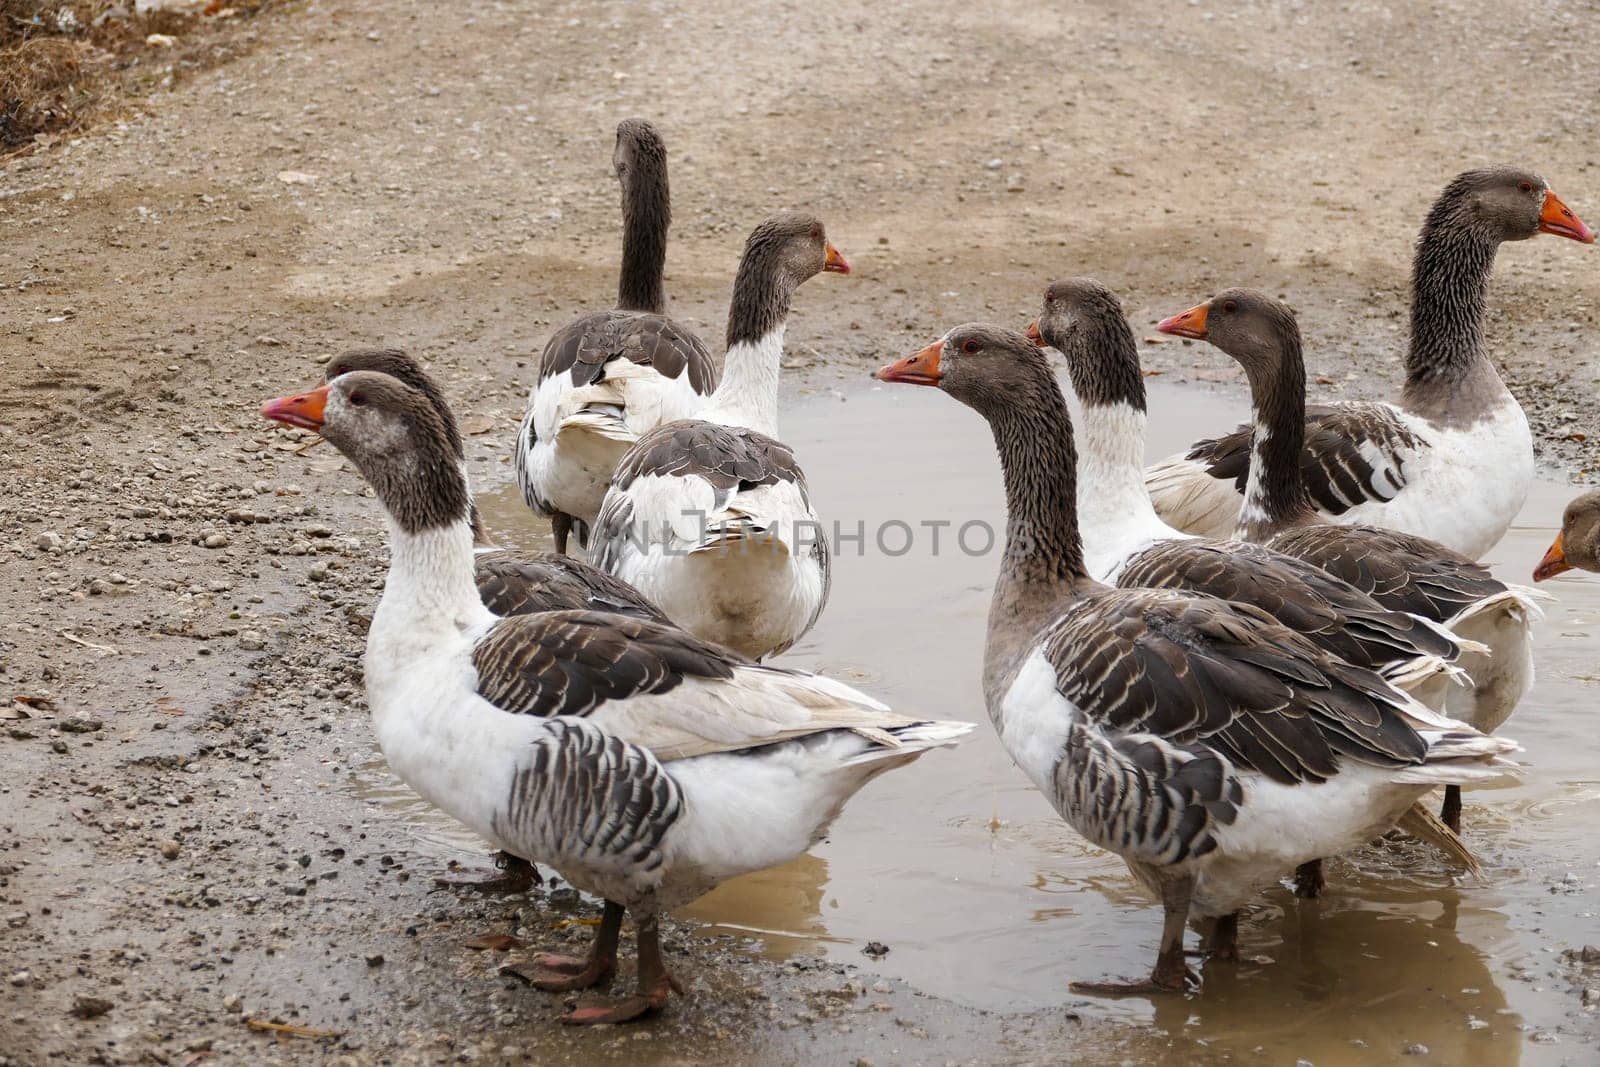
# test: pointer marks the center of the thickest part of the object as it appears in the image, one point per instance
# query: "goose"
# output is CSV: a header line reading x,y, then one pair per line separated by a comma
x,y
609,376
509,583
643,764
710,517
1209,746
1577,544
1402,571
1452,458
1125,543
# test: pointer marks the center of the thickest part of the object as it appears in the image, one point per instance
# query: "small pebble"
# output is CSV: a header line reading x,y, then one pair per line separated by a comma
x,y
216,540
170,849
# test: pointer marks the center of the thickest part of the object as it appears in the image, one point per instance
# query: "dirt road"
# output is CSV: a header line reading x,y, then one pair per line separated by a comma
x,y
188,831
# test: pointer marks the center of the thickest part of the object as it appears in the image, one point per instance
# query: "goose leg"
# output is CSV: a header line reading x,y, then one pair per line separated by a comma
x,y
656,985
1223,945
1450,814
1309,881
1171,973
563,974
560,527
517,876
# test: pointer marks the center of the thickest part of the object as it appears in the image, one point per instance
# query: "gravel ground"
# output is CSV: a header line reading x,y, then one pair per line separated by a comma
x,y
185,843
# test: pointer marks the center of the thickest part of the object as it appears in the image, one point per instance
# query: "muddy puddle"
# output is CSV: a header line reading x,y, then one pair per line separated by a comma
x,y
987,900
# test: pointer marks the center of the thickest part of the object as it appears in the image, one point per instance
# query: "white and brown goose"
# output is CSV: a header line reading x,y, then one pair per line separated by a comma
x,y
710,517
1126,544
1208,745
611,376
643,764
509,583
1452,458
1402,571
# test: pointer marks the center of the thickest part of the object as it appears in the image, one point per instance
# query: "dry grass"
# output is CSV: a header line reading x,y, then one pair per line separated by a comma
x,y
65,64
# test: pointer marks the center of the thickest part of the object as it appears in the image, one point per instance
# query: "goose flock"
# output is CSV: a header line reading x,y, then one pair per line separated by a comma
x,y
1263,652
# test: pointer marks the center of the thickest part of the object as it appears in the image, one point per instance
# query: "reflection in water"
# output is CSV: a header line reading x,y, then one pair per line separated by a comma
x,y
1379,975
986,898
783,904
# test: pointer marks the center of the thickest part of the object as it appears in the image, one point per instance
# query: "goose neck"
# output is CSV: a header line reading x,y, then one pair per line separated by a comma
x,y
1275,496
1043,553
1449,291
646,216
431,587
1112,492
747,394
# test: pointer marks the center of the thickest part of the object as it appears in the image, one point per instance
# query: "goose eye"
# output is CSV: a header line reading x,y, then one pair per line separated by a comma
x,y
357,400
816,233
1526,187
969,346
1230,306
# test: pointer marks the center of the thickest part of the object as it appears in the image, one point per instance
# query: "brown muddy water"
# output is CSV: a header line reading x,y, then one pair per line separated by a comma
x,y
986,899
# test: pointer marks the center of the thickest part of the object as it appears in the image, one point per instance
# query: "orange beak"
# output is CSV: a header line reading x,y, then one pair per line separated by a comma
x,y
1554,562
303,410
1557,218
1191,323
1033,334
921,368
836,261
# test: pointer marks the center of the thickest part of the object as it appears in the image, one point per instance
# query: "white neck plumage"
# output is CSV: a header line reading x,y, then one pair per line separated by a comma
x,y
747,395
432,587
1114,509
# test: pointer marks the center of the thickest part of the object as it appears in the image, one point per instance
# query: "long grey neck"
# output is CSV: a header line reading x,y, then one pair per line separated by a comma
x,y
1449,291
1275,496
646,215
1043,561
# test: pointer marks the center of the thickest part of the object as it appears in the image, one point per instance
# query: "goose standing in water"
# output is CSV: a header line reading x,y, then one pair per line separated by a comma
x,y
1451,460
611,376
645,765
1399,570
710,517
509,583
1209,746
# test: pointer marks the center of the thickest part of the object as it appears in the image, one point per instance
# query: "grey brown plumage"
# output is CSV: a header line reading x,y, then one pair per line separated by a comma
x,y
572,662
584,347
513,584
1353,453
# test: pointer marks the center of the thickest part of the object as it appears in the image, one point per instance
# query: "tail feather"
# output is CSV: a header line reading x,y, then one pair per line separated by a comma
x,y
1518,601
1408,674
1463,756
898,742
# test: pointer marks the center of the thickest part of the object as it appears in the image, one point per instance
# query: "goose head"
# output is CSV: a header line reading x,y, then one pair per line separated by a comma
x,y
1578,543
1083,320
1256,330
397,364
396,438
988,368
1509,204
